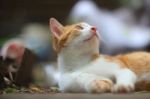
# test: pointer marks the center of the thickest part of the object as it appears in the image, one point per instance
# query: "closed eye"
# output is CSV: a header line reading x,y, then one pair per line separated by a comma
x,y
79,27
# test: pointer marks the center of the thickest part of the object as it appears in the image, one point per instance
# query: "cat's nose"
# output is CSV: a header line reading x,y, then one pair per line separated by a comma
x,y
93,29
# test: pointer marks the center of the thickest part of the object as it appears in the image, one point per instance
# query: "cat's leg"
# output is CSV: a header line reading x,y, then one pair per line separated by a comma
x,y
95,84
85,82
125,81
99,86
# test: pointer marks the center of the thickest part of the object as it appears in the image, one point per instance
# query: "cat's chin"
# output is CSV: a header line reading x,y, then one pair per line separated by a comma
x,y
90,38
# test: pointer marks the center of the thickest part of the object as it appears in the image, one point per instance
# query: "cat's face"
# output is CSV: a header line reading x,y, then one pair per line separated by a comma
x,y
80,36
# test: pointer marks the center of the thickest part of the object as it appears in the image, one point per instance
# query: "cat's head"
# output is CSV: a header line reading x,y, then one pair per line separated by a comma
x,y
80,36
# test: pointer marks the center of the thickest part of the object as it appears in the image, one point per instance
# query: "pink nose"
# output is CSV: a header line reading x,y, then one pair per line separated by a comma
x,y
93,29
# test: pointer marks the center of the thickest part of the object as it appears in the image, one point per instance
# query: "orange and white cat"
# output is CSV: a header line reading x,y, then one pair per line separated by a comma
x,y
83,69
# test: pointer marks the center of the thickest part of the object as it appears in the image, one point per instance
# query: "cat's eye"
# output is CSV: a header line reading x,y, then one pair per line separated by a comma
x,y
79,27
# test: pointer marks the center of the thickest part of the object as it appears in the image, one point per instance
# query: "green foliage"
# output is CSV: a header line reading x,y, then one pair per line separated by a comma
x,y
4,39
10,90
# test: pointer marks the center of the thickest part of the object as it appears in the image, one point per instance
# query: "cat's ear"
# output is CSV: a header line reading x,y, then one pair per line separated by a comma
x,y
55,27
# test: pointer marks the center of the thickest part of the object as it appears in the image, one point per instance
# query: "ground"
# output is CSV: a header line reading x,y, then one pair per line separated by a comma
x,y
76,96
35,92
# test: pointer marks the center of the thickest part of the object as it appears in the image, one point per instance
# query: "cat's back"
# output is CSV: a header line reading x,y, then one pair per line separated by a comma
x,y
139,62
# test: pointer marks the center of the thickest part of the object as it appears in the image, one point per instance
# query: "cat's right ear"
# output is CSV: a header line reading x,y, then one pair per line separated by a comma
x,y
55,27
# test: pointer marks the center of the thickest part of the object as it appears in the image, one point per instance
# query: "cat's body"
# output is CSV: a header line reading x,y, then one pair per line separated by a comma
x,y
83,69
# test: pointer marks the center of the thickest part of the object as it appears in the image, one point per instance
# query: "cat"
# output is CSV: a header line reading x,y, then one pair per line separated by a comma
x,y
84,69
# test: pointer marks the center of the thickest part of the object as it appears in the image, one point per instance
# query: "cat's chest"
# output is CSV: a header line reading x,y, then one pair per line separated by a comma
x,y
101,67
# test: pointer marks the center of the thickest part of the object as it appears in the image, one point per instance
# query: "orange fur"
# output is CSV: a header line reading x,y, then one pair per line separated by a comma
x,y
113,59
68,33
99,85
95,56
139,62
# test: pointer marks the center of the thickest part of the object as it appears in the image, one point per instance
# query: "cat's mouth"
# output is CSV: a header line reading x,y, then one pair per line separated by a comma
x,y
91,37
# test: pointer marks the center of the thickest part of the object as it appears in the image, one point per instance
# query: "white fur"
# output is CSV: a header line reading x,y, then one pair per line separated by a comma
x,y
77,69
75,78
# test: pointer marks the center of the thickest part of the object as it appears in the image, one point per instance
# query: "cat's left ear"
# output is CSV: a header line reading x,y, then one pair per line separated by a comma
x,y
56,27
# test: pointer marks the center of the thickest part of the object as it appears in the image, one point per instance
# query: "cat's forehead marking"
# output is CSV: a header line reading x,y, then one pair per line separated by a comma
x,y
85,24
69,28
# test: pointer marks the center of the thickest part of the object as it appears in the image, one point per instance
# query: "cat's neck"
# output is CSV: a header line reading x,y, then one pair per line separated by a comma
x,y
69,61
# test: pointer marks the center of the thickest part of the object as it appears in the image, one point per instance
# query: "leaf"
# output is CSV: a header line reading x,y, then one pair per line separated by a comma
x,y
10,90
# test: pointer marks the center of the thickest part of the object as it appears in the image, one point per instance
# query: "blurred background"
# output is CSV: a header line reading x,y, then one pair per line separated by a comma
x,y
124,26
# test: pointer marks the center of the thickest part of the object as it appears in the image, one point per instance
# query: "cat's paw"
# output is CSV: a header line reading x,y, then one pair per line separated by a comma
x,y
100,86
121,88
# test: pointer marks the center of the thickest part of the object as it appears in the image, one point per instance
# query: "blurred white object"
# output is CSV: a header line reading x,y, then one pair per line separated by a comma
x,y
52,74
126,15
114,31
37,38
